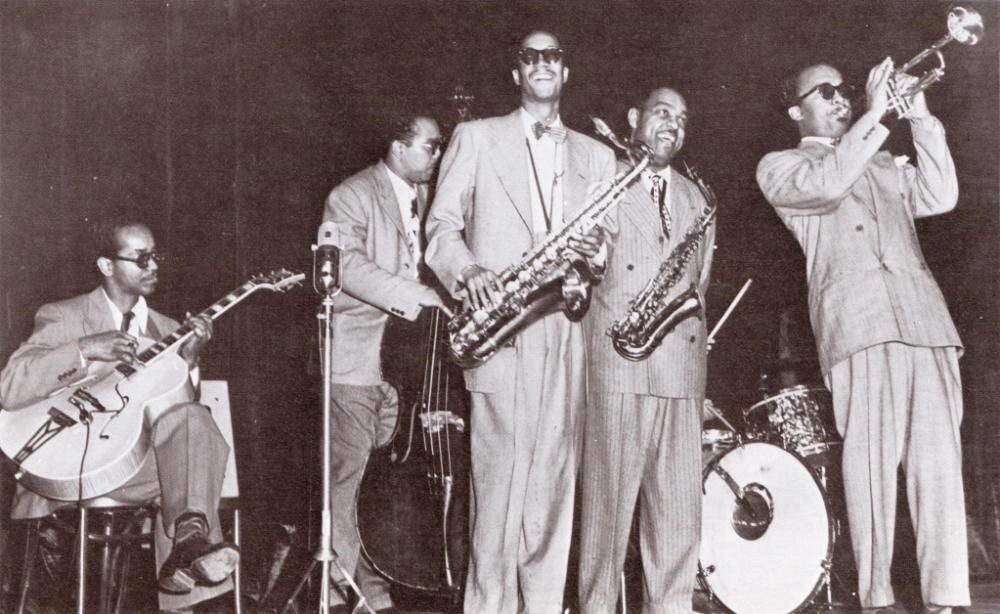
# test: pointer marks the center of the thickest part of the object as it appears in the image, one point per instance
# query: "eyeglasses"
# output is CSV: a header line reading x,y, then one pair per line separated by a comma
x,y
827,90
529,56
142,260
433,147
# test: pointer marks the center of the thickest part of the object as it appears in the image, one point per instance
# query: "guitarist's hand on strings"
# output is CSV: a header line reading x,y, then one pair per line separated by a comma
x,y
191,349
109,347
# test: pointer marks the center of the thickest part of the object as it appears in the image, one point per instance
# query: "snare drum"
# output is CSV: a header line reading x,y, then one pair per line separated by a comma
x,y
766,538
715,442
799,418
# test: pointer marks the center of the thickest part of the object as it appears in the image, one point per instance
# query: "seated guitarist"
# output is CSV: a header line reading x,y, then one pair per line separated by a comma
x,y
184,474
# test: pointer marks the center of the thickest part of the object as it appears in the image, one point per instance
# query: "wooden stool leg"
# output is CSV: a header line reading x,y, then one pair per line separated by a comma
x,y
81,562
237,583
30,551
107,568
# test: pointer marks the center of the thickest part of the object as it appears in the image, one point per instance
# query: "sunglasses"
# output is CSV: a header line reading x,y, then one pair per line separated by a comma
x,y
827,90
529,56
142,260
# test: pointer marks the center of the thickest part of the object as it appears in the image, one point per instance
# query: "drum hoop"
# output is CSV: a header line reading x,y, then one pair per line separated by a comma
x,y
830,529
784,392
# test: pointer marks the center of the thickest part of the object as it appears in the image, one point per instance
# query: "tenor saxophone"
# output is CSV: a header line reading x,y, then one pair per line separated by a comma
x,y
550,277
653,314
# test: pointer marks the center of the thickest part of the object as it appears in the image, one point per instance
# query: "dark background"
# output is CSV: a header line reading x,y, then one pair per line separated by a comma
x,y
227,122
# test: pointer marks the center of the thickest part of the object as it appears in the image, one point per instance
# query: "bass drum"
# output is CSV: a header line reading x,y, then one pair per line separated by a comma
x,y
767,535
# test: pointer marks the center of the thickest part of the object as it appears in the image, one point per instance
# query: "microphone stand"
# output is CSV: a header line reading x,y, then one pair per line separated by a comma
x,y
325,554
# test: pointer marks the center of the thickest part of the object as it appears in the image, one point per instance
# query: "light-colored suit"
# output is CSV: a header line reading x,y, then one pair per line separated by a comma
x,y
526,399
184,437
886,342
643,422
378,280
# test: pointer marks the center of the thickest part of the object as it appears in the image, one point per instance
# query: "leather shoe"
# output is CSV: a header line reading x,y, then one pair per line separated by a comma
x,y
196,560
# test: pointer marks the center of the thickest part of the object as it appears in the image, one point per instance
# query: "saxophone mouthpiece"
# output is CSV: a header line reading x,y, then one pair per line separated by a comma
x,y
604,130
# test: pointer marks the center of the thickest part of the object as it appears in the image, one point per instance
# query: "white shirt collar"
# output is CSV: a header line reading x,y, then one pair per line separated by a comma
x,y
139,322
822,140
405,193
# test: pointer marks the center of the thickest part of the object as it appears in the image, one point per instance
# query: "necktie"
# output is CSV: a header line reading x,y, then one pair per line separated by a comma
x,y
556,133
659,192
127,320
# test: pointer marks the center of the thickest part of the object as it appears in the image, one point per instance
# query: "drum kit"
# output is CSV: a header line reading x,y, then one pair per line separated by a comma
x,y
772,505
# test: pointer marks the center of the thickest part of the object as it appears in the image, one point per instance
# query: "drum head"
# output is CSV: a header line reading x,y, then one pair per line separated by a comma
x,y
769,552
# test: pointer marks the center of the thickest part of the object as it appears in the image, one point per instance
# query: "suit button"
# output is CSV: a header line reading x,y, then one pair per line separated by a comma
x,y
885,266
406,266
859,228
630,267
692,339
661,239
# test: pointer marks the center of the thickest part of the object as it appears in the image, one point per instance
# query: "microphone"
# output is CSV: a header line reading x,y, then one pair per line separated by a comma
x,y
327,280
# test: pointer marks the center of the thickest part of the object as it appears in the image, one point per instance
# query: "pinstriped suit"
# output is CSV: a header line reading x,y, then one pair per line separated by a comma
x,y
643,422
886,342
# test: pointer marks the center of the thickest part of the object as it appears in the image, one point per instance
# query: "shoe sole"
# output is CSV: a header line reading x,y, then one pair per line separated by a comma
x,y
178,583
214,567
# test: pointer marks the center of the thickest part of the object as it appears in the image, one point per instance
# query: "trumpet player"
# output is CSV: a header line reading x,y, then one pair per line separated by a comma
x,y
887,345
642,431
506,183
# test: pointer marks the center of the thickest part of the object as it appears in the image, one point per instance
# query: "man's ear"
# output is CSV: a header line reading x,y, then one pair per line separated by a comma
x,y
517,77
795,113
633,117
565,74
104,266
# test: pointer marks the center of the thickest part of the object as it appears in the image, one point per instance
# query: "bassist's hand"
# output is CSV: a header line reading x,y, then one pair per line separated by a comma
x,y
191,349
431,298
109,347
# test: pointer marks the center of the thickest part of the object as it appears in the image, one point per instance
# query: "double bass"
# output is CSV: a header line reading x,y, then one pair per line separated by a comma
x,y
413,502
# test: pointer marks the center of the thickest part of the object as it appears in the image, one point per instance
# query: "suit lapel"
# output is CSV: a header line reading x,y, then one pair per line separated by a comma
x,y
575,182
386,198
510,161
97,315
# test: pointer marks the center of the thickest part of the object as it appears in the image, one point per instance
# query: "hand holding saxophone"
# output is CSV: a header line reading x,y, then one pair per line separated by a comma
x,y
482,286
588,243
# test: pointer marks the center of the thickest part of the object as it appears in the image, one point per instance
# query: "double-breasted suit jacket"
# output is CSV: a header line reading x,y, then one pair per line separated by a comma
x,y
852,210
637,248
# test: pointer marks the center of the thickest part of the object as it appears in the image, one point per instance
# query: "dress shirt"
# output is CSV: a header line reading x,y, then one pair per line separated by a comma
x,y
548,164
405,197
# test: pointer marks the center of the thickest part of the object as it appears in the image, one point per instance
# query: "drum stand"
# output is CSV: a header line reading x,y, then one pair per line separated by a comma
x,y
828,573
325,554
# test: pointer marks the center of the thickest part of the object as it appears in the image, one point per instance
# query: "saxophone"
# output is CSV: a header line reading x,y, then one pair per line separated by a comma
x,y
551,276
650,315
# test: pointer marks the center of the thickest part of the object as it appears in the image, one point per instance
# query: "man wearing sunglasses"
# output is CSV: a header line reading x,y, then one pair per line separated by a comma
x,y
887,345
507,183
90,333
378,214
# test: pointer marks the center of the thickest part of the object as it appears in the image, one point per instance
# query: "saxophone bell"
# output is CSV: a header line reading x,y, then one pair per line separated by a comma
x,y
641,343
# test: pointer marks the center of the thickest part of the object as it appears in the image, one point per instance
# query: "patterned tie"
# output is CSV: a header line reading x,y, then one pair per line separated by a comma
x,y
556,133
127,321
659,192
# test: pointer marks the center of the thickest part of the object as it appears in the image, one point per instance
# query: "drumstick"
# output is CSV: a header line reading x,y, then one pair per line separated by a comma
x,y
729,310
711,408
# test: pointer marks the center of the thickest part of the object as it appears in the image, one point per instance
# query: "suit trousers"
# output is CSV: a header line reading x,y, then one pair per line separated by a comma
x,y
898,404
362,418
524,457
645,447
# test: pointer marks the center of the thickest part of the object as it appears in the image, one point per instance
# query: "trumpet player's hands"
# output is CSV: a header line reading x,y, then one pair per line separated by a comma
x,y
589,243
109,347
917,103
482,286
430,298
877,88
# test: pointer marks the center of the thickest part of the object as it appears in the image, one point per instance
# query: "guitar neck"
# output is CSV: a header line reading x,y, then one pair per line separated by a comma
x,y
215,310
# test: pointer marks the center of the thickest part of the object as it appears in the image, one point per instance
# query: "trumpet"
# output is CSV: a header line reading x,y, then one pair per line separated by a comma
x,y
965,25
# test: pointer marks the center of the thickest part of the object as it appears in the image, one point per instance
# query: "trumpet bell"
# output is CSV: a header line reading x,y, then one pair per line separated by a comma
x,y
965,25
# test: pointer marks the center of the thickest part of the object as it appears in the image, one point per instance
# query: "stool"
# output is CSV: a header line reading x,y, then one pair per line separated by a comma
x,y
116,549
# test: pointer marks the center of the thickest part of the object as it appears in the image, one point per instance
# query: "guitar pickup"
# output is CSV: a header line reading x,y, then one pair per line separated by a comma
x,y
60,418
86,396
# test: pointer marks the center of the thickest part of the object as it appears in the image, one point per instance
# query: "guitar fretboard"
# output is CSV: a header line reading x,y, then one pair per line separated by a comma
x,y
215,310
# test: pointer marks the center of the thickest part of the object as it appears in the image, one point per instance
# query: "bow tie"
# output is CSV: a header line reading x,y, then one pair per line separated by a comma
x,y
556,133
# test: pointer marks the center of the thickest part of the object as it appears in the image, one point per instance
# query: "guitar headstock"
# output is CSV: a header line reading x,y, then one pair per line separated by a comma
x,y
278,281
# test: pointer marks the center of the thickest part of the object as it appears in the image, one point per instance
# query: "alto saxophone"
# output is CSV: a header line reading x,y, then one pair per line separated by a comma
x,y
550,277
651,316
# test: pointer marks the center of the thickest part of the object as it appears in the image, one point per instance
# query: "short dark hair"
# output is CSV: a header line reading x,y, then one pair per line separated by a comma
x,y
789,95
104,232
401,125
